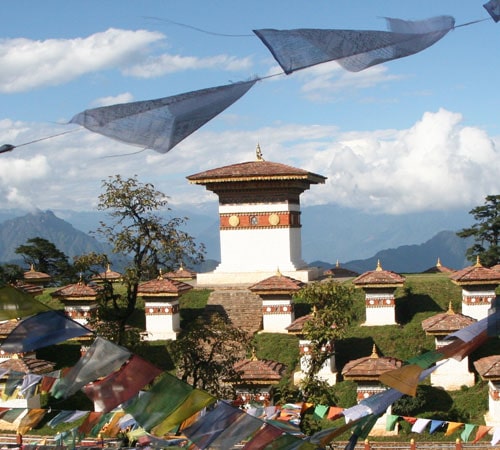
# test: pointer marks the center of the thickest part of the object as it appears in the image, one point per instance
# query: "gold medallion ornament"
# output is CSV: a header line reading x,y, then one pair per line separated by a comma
x,y
274,219
234,221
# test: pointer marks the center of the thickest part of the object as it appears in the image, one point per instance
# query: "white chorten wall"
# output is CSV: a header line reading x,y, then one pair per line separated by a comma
x,y
162,320
476,303
451,374
260,238
80,314
328,371
492,417
380,308
277,315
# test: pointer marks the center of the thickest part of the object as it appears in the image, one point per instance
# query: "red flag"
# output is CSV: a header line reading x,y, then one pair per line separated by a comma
x,y
121,385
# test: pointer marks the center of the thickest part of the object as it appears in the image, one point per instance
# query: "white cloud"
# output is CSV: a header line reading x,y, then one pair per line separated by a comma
x,y
438,163
329,81
28,64
113,100
156,66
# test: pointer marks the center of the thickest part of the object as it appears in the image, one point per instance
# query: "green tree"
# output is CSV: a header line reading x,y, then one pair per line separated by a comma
x,y
486,232
138,231
10,273
331,313
47,258
206,353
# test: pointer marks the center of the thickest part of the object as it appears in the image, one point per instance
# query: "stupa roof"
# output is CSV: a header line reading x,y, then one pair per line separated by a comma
x,y
297,326
370,367
181,274
260,371
27,365
447,322
30,288
340,272
254,170
278,283
163,286
379,278
76,291
108,274
476,274
438,268
488,367
35,276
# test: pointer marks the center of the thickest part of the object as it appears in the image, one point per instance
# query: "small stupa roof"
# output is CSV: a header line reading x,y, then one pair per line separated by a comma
x,y
476,275
27,365
438,268
340,272
297,326
76,291
488,367
163,286
35,276
259,371
379,278
278,283
447,322
181,274
370,367
108,274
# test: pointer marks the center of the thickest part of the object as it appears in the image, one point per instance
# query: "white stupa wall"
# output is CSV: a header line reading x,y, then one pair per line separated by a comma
x,y
266,247
277,315
476,303
162,320
80,314
380,309
492,417
328,371
451,374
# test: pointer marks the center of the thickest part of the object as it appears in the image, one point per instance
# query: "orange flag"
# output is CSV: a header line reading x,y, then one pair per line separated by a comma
x,y
482,430
452,427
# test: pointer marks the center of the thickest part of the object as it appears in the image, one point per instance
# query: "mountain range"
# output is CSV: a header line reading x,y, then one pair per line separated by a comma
x,y
330,234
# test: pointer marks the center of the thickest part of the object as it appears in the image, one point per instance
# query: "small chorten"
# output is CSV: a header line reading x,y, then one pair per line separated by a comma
x,y
379,286
161,306
79,299
257,379
328,372
181,274
454,374
366,372
277,307
478,285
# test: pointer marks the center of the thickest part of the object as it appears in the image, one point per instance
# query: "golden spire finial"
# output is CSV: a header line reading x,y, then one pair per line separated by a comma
x,y
478,262
379,266
254,355
374,352
258,153
108,268
337,264
450,309
438,264
160,276
278,272
315,310
32,267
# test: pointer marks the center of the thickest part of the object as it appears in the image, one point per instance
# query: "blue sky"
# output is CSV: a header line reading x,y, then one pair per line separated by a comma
x,y
416,134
